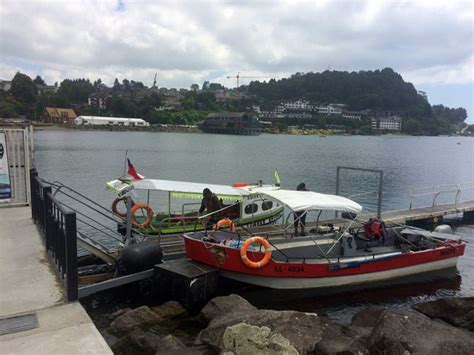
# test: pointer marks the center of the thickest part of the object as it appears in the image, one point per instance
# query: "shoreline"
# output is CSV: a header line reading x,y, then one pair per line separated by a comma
x,y
194,129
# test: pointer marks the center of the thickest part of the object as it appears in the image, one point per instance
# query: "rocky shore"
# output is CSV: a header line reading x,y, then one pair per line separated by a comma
x,y
230,325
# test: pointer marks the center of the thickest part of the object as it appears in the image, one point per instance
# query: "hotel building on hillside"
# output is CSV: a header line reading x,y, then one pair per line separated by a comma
x,y
389,123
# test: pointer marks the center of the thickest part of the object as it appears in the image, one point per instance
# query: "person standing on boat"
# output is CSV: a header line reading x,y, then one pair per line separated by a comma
x,y
300,216
210,203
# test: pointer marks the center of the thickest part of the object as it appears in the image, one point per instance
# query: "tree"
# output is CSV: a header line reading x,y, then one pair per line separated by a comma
x,y
75,91
39,80
195,87
98,84
411,126
117,85
7,106
23,89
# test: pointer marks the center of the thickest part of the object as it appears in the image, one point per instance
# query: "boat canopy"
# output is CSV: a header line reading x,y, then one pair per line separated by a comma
x,y
192,190
309,200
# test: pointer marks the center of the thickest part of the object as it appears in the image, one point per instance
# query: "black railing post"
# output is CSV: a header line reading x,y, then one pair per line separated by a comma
x,y
46,218
71,256
33,188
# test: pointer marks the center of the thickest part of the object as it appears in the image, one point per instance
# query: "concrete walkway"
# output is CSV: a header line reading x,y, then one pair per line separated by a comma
x,y
28,285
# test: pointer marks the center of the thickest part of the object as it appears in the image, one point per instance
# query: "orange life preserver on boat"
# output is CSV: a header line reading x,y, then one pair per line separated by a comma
x,y
114,207
256,264
149,215
241,184
225,222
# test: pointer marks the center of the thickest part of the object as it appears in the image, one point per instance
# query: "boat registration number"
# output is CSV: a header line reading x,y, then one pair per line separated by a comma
x,y
281,268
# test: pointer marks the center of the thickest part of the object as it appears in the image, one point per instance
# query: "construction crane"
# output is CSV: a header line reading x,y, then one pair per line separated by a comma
x,y
154,82
238,77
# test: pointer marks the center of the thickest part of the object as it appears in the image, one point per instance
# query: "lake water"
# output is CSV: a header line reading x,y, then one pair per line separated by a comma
x,y
85,160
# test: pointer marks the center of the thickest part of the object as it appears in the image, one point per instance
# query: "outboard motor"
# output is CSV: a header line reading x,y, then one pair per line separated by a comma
x,y
139,257
348,244
443,228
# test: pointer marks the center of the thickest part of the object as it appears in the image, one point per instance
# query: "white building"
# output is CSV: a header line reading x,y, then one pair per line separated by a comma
x,y
298,105
331,109
99,100
389,123
111,121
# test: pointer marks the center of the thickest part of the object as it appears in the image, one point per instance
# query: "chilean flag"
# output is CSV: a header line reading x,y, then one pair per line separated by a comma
x,y
133,172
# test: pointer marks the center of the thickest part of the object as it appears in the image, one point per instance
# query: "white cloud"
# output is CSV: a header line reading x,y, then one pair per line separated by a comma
x,y
187,42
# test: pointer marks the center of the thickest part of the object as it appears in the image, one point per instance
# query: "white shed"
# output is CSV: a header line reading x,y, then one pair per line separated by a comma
x,y
112,121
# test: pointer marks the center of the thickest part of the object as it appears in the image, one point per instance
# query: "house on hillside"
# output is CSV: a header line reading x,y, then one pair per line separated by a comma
x,y
58,115
388,123
100,99
43,89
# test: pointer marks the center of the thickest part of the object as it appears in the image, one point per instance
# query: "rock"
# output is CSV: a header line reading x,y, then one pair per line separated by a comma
x,y
340,339
194,350
399,331
367,317
243,338
137,342
303,330
169,309
224,305
169,344
119,313
140,317
455,311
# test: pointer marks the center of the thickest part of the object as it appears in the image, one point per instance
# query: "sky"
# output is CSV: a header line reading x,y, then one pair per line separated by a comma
x,y
430,43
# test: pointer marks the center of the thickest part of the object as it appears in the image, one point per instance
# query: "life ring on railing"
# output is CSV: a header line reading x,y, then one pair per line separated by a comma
x,y
256,264
223,223
149,215
114,207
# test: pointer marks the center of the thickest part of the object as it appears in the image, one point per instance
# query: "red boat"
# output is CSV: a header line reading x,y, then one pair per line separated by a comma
x,y
326,258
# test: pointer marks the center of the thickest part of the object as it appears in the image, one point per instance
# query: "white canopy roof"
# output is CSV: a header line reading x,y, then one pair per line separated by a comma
x,y
191,187
309,200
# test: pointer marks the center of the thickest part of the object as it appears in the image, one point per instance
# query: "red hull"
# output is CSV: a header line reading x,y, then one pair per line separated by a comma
x,y
228,259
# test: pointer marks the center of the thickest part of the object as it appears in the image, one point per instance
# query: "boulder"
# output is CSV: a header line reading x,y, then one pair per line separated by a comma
x,y
169,309
244,339
194,350
367,317
302,330
169,344
140,317
340,339
137,342
219,306
399,331
455,311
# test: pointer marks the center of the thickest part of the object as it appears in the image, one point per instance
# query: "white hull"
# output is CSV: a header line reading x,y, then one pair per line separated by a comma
x,y
340,281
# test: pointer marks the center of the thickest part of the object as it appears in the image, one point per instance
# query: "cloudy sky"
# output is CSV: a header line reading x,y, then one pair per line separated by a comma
x,y
431,43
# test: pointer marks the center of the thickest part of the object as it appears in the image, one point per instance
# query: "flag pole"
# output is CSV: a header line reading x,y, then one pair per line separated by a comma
x,y
125,164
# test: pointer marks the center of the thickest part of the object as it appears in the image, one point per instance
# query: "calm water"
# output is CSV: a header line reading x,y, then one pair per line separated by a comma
x,y
86,160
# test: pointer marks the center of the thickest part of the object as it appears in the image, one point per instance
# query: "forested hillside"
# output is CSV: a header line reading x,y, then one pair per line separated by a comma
x,y
379,90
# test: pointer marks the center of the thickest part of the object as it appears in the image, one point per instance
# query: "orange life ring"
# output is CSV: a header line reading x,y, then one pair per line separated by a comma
x,y
241,184
256,264
225,222
114,207
149,215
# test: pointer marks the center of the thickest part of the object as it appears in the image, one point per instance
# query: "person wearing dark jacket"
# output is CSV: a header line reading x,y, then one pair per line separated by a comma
x,y
210,203
300,216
